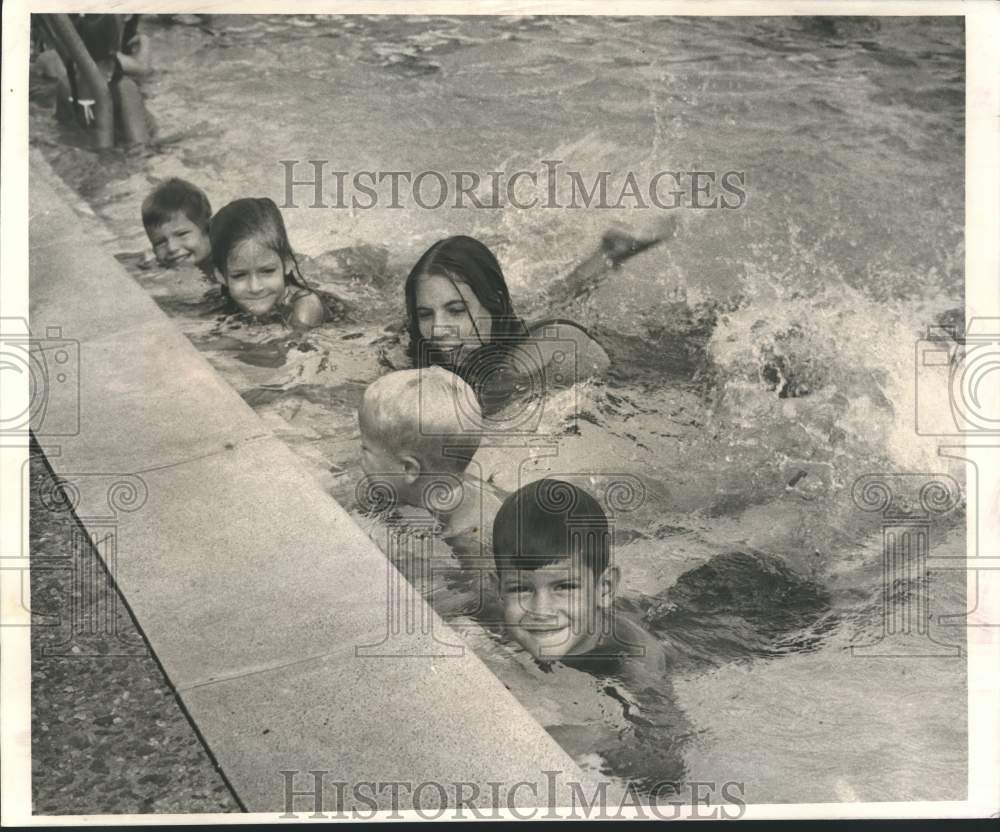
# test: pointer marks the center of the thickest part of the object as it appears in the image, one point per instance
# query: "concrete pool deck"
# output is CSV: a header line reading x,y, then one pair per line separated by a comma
x,y
252,585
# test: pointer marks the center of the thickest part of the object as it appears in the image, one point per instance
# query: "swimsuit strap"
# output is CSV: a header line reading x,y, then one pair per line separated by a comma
x,y
283,308
286,303
555,321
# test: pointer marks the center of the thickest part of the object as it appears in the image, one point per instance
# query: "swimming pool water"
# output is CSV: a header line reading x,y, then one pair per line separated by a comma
x,y
763,357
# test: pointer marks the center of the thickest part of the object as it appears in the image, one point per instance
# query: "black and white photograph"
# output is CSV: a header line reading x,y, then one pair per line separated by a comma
x,y
575,411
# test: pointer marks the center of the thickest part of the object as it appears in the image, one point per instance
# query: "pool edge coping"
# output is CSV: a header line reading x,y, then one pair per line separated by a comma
x,y
534,735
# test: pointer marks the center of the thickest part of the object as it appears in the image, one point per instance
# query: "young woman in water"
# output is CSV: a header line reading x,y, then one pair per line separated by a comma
x,y
257,268
459,315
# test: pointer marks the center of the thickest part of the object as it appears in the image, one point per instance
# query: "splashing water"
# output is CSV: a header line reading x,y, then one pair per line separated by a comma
x,y
763,358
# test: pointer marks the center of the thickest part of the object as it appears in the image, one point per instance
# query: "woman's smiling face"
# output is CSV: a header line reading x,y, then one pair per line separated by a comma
x,y
451,317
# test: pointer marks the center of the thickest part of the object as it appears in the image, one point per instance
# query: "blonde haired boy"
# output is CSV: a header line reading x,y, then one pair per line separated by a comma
x,y
419,431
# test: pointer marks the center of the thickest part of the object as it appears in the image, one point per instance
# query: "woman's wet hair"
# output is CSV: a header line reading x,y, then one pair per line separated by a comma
x,y
176,196
547,521
253,218
465,260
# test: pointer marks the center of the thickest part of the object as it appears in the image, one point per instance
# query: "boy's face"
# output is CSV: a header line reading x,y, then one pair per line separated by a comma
x,y
555,611
255,277
376,458
387,465
179,241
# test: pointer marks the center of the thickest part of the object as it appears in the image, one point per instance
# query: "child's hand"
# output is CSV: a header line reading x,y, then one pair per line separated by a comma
x,y
137,60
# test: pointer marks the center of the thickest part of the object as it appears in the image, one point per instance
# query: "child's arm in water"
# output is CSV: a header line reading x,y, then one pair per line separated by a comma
x,y
308,311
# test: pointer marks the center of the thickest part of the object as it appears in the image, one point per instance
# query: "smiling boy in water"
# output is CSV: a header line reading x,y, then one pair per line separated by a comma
x,y
176,216
551,547
419,431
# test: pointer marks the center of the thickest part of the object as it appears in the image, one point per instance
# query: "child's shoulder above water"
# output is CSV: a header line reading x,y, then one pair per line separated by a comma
x,y
306,308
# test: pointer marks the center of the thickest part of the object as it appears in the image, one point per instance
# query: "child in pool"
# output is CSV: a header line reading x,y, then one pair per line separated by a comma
x,y
419,431
176,216
255,263
551,548
460,315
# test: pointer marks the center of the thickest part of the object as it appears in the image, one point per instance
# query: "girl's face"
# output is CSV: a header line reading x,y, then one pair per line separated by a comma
x,y
255,277
451,317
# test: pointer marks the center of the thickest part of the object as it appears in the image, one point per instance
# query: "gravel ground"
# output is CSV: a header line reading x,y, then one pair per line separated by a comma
x,y
108,734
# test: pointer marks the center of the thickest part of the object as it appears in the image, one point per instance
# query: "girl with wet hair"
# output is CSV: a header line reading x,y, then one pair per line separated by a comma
x,y
460,316
254,261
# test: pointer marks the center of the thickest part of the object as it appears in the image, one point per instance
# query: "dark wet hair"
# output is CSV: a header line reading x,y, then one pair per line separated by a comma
x,y
176,196
546,521
253,218
464,260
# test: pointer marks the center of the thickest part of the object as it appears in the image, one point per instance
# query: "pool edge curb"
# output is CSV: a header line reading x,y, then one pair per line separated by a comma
x,y
463,741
